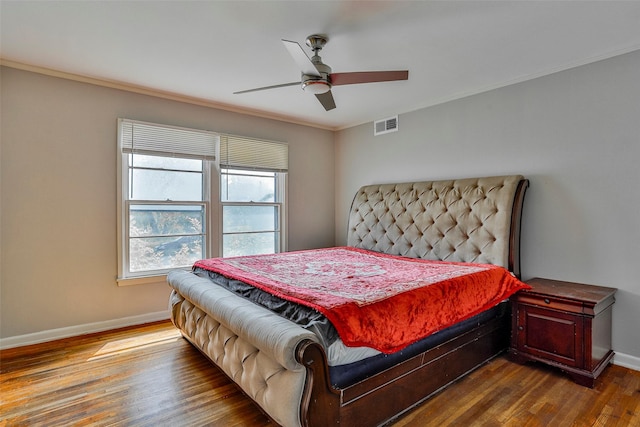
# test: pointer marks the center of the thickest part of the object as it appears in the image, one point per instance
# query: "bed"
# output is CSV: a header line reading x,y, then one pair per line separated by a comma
x,y
300,378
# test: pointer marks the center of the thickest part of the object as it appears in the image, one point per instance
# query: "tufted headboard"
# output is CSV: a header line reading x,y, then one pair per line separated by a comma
x,y
465,220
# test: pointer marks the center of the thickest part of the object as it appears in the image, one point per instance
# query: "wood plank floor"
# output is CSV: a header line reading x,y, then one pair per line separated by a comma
x,y
149,376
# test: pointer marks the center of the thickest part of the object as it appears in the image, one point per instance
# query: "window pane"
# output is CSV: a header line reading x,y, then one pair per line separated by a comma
x,y
158,162
162,220
246,186
250,212
166,185
156,253
249,218
249,244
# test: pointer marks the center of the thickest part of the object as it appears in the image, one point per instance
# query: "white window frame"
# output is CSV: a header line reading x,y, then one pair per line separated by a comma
x,y
209,189
280,203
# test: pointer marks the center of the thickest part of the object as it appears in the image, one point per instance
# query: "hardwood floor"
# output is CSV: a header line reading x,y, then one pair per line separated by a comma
x,y
150,376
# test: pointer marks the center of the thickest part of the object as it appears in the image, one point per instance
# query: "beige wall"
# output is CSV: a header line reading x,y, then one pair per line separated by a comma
x,y
58,197
574,134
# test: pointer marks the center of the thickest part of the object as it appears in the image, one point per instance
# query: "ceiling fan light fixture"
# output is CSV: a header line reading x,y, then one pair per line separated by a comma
x,y
316,87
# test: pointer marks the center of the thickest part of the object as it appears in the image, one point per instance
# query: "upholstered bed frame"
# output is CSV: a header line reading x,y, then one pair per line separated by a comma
x,y
283,367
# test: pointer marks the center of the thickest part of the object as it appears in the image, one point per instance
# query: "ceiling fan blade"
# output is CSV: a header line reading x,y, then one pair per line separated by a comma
x,y
338,79
267,87
326,99
301,58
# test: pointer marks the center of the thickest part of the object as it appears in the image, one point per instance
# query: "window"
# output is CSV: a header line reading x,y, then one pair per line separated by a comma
x,y
165,182
251,212
252,195
177,203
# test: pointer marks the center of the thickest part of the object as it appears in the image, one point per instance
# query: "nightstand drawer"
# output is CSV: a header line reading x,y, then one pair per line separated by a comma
x,y
552,303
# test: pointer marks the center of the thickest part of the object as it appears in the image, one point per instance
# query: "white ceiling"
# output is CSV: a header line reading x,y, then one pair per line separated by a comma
x,y
206,50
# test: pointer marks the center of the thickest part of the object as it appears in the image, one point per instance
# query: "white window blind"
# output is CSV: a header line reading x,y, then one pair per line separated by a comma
x,y
253,154
153,139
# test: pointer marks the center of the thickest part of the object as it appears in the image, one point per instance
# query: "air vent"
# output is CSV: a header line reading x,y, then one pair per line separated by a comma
x,y
385,126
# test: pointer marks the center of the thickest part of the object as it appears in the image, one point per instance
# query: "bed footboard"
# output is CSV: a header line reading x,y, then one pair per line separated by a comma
x,y
255,348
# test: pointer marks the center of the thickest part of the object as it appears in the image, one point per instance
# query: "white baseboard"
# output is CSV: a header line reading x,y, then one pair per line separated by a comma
x,y
626,360
71,331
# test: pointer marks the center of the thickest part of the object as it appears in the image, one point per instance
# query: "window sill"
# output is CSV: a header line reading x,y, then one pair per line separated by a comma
x,y
144,280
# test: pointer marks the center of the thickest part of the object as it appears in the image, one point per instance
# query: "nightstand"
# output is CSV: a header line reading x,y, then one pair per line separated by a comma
x,y
565,325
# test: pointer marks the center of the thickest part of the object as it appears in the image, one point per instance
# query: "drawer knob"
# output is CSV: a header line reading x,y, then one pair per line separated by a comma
x,y
520,328
546,301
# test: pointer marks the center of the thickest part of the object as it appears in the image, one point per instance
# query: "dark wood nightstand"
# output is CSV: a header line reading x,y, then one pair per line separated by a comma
x,y
565,325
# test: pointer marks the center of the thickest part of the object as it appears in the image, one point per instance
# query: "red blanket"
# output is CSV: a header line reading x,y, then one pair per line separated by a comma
x,y
375,300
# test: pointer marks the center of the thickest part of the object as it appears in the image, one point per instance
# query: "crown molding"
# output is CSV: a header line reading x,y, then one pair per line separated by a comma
x,y
142,90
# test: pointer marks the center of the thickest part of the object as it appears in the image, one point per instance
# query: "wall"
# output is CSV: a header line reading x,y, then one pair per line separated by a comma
x,y
58,198
574,134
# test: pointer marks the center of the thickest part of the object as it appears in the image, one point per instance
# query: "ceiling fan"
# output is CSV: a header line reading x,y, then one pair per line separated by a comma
x,y
317,77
